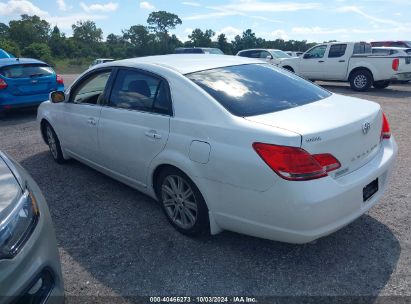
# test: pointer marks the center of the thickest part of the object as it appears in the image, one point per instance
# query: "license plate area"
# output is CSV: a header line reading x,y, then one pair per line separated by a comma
x,y
369,190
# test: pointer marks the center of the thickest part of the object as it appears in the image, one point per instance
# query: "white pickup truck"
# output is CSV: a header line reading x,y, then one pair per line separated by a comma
x,y
348,61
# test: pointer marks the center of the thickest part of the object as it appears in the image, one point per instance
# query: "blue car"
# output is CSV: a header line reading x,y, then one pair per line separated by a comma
x,y
26,82
4,54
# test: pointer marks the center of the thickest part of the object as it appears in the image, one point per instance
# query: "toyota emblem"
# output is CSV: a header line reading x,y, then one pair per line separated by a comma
x,y
366,126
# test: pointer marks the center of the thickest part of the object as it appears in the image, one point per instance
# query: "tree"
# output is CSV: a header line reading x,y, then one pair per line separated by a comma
x,y
4,31
162,21
38,51
141,39
223,45
10,47
118,46
249,39
28,30
57,43
87,32
200,38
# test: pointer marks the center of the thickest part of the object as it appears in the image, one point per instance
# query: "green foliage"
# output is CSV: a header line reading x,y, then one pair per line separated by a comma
x,y
4,31
162,21
10,47
32,36
201,39
28,30
223,44
38,51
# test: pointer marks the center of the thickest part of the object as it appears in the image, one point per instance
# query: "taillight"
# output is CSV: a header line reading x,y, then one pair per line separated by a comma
x,y
3,84
59,79
386,130
296,164
395,64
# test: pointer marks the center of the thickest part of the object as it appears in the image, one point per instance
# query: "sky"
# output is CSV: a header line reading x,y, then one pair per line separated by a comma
x,y
314,21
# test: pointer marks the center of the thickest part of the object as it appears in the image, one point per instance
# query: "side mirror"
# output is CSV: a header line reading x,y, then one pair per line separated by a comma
x,y
269,57
57,97
307,56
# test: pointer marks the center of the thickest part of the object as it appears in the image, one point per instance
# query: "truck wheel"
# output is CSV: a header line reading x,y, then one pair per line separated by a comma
x,y
360,80
381,84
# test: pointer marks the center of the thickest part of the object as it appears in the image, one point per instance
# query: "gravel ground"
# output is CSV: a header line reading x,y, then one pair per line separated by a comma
x,y
114,241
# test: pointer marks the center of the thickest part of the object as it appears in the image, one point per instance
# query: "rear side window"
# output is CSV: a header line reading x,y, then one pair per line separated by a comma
x,y
26,70
337,50
362,48
255,89
135,90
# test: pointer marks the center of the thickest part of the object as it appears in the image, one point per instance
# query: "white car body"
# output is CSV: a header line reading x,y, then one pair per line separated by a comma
x,y
214,148
340,68
404,57
294,54
272,56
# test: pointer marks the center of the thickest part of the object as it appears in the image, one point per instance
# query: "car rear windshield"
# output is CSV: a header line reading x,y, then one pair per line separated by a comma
x,y
26,70
255,89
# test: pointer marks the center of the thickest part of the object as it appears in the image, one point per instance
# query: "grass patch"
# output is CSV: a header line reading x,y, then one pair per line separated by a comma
x,y
71,66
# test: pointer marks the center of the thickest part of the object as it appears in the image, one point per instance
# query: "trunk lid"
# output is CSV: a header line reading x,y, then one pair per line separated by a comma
x,y
348,128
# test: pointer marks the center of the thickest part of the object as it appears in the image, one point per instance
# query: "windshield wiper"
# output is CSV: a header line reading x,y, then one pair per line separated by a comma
x,y
37,75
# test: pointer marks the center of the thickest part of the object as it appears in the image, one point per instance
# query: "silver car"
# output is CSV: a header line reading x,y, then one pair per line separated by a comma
x,y
30,269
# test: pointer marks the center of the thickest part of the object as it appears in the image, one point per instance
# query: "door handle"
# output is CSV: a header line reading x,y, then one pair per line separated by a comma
x,y
321,61
341,60
153,134
91,121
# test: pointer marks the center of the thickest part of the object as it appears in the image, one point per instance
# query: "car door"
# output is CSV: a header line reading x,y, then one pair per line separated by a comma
x,y
80,115
135,124
335,66
311,65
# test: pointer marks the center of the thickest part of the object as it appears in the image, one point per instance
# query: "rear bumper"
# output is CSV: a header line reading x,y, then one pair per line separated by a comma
x,y
299,212
9,101
402,76
37,262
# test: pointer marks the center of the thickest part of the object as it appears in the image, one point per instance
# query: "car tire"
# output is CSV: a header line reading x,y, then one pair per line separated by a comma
x,y
54,144
381,84
361,80
182,202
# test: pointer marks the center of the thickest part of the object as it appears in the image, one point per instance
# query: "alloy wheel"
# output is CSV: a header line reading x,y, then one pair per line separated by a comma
x,y
179,201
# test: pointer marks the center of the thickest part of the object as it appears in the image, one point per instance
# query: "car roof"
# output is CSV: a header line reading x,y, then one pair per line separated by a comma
x,y
15,61
186,63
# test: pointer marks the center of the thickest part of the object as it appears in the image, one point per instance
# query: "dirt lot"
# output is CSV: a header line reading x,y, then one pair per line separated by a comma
x,y
115,241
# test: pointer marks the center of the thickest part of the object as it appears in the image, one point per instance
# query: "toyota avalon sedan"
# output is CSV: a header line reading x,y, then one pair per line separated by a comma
x,y
29,261
226,143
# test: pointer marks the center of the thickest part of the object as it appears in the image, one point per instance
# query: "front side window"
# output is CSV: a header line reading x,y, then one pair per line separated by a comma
x,y
265,54
337,50
91,90
316,52
280,54
135,90
255,89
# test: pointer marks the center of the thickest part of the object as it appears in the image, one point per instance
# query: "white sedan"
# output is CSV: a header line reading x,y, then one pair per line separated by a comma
x,y
226,143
